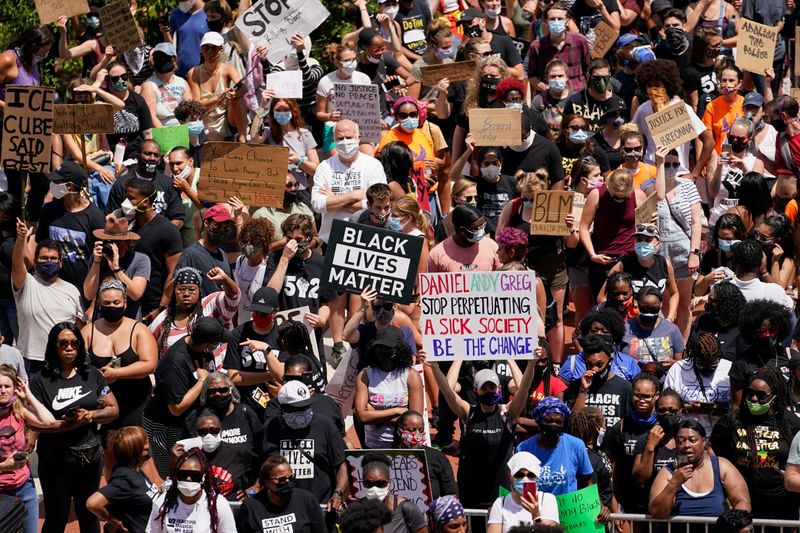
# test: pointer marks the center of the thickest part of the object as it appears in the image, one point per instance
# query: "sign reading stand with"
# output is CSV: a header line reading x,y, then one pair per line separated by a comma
x,y
255,173
478,315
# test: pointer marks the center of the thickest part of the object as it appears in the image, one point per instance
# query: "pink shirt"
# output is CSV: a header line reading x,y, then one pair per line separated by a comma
x,y
12,479
447,256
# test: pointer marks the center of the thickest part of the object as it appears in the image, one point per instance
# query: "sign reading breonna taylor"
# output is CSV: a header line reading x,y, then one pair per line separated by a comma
x,y
361,255
478,315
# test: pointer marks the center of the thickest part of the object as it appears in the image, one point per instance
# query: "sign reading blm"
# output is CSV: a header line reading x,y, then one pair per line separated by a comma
x,y
361,255
27,125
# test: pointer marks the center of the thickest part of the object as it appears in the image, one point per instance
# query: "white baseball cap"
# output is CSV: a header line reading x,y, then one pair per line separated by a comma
x,y
213,38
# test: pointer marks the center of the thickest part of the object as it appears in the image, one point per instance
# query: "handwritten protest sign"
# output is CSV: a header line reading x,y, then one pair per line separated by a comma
x,y
496,127
605,37
342,385
170,137
578,201
50,10
361,103
577,511
299,314
672,126
27,125
409,475
549,212
286,84
458,71
795,93
83,118
360,255
478,315
272,23
755,48
119,27
256,173
644,212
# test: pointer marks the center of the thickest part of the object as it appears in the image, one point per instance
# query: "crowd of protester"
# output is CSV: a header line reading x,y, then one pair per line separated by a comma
x,y
143,361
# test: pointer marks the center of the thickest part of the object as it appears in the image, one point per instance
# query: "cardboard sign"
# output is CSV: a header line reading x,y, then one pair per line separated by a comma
x,y
795,93
119,27
50,10
577,511
755,46
361,104
644,212
409,475
83,118
459,71
496,127
27,125
360,255
286,84
578,201
256,173
299,314
169,137
478,315
672,126
342,385
549,212
272,23
605,37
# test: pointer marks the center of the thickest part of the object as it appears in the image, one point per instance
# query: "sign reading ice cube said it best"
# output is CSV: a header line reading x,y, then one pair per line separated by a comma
x,y
408,474
360,255
27,125
360,103
255,173
755,49
478,315
672,126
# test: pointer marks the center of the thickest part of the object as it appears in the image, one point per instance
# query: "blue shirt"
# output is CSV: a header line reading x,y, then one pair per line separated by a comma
x,y
623,365
189,29
560,465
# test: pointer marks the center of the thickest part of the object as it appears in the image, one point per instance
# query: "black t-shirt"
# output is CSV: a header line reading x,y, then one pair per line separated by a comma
x,y
199,257
239,358
166,202
619,444
6,249
74,232
571,155
704,81
159,239
601,475
612,397
300,514
627,86
321,404
413,22
493,197
715,259
59,396
613,155
314,453
440,472
727,336
130,124
662,457
543,153
486,445
683,61
581,9
130,497
503,46
301,284
653,276
584,104
748,360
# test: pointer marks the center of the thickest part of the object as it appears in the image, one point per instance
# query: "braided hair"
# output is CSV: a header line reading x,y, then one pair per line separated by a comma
x,y
295,338
584,423
169,319
208,485
701,344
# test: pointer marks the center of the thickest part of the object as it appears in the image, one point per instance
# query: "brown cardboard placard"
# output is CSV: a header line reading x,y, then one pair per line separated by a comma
x,y
27,125
577,208
644,212
755,49
549,212
496,127
795,93
50,10
255,173
605,37
83,118
458,71
119,27
672,126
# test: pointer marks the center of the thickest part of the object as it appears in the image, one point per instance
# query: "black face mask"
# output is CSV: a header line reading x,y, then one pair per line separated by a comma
x,y
112,314
601,377
648,317
384,358
767,343
738,146
221,235
677,41
289,197
284,489
162,63
551,429
215,25
473,31
489,85
219,403
668,421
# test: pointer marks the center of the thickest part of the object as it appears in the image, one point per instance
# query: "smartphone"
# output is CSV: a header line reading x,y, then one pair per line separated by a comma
x,y
529,490
391,84
116,362
726,149
681,460
707,405
20,456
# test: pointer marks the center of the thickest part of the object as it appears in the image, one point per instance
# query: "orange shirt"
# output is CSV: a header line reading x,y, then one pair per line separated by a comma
x,y
719,116
421,145
643,173
791,210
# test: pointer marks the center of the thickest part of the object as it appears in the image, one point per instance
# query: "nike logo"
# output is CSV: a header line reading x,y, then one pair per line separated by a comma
x,y
59,404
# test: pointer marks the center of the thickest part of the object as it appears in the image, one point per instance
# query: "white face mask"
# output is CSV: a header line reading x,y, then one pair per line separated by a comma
x,y
211,442
184,173
189,488
347,148
377,493
128,209
185,6
525,144
348,67
59,190
492,172
391,11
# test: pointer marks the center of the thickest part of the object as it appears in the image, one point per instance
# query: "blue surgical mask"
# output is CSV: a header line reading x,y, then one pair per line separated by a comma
x,y
476,235
409,124
557,85
196,127
726,245
515,105
579,137
444,53
557,27
282,117
393,224
519,485
645,250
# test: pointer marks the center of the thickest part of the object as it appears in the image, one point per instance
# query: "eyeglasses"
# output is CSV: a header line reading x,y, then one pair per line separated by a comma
x,y
412,114
218,390
759,395
521,475
629,149
664,411
292,185
576,127
647,397
189,475
202,432
187,289
385,307
115,79
676,164
381,483
63,343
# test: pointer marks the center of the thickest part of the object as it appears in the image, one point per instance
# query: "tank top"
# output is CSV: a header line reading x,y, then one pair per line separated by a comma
x,y
614,224
486,446
538,245
711,503
24,77
720,23
168,96
386,390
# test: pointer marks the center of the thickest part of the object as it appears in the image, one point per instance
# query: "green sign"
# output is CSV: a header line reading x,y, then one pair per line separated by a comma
x,y
169,137
577,511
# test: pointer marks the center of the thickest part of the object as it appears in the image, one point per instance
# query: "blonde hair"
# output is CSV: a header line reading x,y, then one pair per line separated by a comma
x,y
408,206
335,50
538,180
437,30
620,181
461,187
629,127
474,89
9,372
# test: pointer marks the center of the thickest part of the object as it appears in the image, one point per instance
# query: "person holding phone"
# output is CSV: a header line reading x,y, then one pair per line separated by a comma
x,y
525,504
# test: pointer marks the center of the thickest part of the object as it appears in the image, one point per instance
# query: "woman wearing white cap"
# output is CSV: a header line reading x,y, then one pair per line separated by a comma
x,y
525,504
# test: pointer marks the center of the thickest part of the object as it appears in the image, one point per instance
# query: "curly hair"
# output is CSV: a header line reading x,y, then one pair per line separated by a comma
x,y
258,232
747,255
662,71
733,521
584,422
188,109
403,357
608,318
376,461
208,485
730,302
474,98
729,221
515,239
508,85
52,363
756,312
364,516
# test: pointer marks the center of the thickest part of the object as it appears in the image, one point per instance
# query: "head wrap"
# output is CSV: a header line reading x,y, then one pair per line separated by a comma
x,y
446,509
112,284
188,276
551,404
405,100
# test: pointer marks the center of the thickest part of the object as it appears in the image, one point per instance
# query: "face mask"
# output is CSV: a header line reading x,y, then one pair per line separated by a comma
x,y
712,53
594,184
725,245
379,217
289,197
707,367
302,248
250,250
285,488
377,493
196,127
728,90
599,84
219,403
348,67
473,203
677,41
557,85
373,60
739,146
120,85
391,11
578,137
92,22
185,5
148,167
668,421
263,322
219,236
48,271
644,250
634,156
779,125
475,235
393,224
184,173
282,117
128,209
111,313
59,190
602,376
551,429
648,319
211,442
444,53
557,27
347,148
409,124
527,203
412,439
189,488
491,13
9,403
767,343
489,398
163,63
524,145
757,409
36,58
215,25
616,122
514,105
300,420
489,85
384,316
492,172
473,31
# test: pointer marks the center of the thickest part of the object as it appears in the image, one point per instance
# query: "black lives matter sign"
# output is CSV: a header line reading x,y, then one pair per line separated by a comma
x,y
360,255
27,125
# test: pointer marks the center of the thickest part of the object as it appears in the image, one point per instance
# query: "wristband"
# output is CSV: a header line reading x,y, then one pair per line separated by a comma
x,y
116,270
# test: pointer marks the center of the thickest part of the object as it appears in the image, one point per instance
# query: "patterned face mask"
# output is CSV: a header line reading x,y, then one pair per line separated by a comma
x,y
298,420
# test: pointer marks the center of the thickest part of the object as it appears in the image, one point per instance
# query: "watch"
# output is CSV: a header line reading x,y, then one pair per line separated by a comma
x,y
696,252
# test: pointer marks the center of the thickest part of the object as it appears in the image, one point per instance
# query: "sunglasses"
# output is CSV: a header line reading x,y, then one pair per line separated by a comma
x,y
731,138
189,475
629,149
292,185
468,199
646,227
529,475
664,411
75,343
412,114
760,395
576,127
218,390
385,307
202,432
381,484
115,79
672,165
282,479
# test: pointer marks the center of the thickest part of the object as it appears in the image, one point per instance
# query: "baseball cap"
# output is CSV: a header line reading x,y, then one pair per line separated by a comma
x,y
69,171
294,393
658,6
525,460
753,98
471,14
207,330
389,336
217,213
648,230
265,300
213,38
166,48
487,375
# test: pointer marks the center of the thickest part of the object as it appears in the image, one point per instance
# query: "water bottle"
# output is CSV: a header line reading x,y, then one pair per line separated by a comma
x,y
119,153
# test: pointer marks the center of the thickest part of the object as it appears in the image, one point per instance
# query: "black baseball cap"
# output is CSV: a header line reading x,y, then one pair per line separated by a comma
x,y
207,330
388,336
265,300
69,171
470,14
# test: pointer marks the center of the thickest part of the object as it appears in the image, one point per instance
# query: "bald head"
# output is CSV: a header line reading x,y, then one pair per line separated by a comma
x,y
345,129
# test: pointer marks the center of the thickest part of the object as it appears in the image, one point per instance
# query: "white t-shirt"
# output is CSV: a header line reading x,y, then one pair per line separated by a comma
x,y
682,379
509,513
767,147
341,179
644,111
191,518
755,289
326,85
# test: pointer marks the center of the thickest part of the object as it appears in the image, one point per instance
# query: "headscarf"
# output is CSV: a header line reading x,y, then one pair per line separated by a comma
x,y
188,276
445,509
112,284
551,404
405,100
